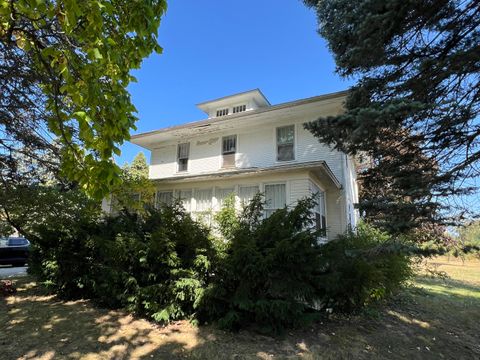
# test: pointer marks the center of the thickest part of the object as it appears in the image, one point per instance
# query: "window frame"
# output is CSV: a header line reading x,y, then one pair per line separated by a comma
x,y
266,208
186,202
236,144
172,197
241,201
316,190
293,144
222,112
236,109
183,158
219,200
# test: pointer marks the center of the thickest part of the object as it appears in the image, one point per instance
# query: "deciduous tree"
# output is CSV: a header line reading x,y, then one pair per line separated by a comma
x,y
64,71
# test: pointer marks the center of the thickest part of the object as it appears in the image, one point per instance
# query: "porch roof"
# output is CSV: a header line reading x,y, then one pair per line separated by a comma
x,y
320,168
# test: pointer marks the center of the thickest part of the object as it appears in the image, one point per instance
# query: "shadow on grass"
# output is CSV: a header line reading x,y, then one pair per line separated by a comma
x,y
36,325
420,324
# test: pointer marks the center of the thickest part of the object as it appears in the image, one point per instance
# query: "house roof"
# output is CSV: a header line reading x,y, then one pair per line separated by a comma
x,y
150,138
320,167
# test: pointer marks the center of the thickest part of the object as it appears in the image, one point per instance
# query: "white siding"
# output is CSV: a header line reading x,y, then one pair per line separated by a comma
x,y
298,186
256,148
298,190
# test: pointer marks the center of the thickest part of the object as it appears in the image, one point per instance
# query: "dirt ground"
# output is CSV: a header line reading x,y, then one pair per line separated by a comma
x,y
434,318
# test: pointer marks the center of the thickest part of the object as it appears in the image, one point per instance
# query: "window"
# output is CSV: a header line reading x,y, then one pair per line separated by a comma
x,y
185,197
229,144
229,148
222,112
223,194
246,193
182,156
239,108
319,210
203,199
275,198
285,143
164,198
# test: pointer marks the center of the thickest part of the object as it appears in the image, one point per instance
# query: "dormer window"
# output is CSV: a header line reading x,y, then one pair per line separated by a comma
x,y
222,112
182,156
239,108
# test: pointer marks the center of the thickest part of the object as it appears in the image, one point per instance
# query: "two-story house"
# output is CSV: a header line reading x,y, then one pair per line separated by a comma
x,y
245,146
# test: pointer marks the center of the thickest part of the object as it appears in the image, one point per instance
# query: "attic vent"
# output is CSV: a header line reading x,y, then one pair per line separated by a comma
x,y
239,108
223,112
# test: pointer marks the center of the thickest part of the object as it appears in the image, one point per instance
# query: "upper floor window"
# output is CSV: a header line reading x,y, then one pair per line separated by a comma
x,y
239,108
229,148
285,143
182,156
222,112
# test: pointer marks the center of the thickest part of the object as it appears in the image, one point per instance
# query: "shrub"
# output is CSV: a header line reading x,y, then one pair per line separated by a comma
x,y
361,267
276,275
155,264
269,277
271,274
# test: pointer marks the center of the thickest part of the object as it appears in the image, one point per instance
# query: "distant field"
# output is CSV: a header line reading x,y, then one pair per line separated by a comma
x,y
434,318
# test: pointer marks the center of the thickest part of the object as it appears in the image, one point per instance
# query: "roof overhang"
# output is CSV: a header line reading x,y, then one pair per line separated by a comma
x,y
319,168
323,105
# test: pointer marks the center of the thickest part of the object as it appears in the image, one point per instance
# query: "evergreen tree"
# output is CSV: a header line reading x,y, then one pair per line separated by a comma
x,y
414,110
136,190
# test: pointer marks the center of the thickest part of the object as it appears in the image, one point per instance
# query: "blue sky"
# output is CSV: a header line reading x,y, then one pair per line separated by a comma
x,y
214,48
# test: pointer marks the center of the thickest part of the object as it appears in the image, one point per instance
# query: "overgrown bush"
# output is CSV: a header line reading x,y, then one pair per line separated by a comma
x,y
362,267
270,275
156,264
276,275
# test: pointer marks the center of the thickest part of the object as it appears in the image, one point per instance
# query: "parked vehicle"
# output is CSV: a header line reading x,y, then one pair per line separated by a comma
x,y
14,251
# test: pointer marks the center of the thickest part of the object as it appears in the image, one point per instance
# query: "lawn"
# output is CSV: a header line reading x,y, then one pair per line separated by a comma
x,y
435,318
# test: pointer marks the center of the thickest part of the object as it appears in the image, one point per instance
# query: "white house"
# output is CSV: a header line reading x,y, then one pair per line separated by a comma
x,y
245,146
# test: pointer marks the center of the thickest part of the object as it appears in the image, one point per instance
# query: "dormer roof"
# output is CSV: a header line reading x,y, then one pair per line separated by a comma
x,y
253,99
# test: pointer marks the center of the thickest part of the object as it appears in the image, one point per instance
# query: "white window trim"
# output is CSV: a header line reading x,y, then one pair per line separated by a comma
x,y
287,193
176,196
240,104
321,188
239,201
295,142
220,165
221,109
188,159
212,188
163,191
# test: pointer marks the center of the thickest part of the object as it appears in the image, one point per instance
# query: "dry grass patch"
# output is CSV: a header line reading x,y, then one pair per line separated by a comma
x,y
434,319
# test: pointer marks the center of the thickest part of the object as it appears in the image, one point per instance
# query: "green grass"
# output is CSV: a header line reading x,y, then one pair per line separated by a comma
x,y
434,318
